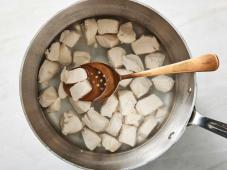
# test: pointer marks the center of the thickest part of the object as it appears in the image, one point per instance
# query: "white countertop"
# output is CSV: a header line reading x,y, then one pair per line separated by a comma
x,y
203,24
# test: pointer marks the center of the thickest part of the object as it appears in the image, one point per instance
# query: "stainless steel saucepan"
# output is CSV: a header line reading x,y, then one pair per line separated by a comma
x,y
183,111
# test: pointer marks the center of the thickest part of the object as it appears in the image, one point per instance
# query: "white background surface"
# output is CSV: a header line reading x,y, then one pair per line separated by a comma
x,y
203,24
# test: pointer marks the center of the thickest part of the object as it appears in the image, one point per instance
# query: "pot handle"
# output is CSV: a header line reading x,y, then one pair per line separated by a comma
x,y
208,124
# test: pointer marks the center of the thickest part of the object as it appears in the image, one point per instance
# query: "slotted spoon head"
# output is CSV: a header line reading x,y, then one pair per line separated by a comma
x,y
104,81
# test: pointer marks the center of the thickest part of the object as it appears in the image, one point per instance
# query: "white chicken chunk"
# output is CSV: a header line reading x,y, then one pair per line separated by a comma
x,y
110,106
95,121
145,44
154,60
55,107
80,106
126,33
146,128
107,40
65,56
90,29
70,123
126,82
140,86
127,102
75,75
115,124
110,143
48,97
91,139
163,83
115,56
69,38
161,114
81,57
52,53
133,63
61,92
133,119
148,104
108,26
128,135
48,70
80,89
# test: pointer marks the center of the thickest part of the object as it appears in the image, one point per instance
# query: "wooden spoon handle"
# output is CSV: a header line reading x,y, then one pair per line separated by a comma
x,y
207,62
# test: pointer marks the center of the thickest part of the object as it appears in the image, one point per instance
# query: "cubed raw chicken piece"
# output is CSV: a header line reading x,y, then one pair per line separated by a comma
x,y
75,75
80,89
110,143
61,92
91,139
55,107
163,83
70,123
65,57
128,135
95,121
146,128
127,102
48,97
80,106
133,63
126,33
90,29
145,44
133,119
48,70
110,106
115,56
69,38
106,26
126,82
140,86
161,114
52,53
154,60
107,40
115,124
148,104
81,57
43,85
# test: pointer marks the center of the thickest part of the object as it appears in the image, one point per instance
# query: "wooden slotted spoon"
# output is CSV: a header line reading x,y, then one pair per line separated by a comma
x,y
104,79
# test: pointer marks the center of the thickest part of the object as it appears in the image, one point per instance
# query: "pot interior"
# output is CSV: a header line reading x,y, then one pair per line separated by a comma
x,y
99,54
